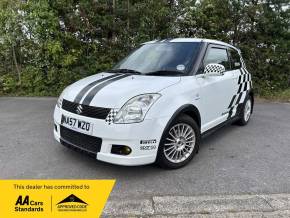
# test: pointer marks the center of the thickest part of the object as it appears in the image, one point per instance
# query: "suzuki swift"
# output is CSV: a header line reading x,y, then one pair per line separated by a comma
x,y
157,103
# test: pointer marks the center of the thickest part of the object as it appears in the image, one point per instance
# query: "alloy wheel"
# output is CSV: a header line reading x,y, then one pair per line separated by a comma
x,y
247,110
179,143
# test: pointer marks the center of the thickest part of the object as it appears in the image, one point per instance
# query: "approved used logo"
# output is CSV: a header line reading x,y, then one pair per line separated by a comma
x,y
72,203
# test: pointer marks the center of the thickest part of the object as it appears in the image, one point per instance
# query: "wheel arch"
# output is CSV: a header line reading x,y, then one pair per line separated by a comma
x,y
187,109
191,111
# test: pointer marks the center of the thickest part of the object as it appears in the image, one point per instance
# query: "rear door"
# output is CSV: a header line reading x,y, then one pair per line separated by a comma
x,y
241,84
217,91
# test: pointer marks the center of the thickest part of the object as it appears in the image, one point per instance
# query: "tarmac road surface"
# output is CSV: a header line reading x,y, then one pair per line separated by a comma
x,y
254,159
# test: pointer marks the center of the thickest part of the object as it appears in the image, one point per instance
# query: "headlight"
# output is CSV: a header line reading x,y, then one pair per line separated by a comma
x,y
135,109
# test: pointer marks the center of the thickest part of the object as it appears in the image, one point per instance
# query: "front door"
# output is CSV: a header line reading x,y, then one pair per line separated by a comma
x,y
216,91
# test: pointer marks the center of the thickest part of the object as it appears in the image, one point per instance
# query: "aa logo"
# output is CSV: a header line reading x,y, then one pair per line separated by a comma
x,y
72,203
25,204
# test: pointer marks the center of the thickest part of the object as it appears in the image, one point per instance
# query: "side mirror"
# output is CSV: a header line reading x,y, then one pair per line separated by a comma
x,y
214,69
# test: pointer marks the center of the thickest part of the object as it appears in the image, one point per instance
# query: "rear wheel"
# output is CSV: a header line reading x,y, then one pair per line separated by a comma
x,y
179,143
246,112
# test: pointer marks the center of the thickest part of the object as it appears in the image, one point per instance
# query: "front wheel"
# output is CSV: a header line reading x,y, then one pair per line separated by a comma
x,y
179,143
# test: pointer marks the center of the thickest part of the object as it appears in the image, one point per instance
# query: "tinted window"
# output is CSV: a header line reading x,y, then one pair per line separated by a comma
x,y
164,56
217,56
235,59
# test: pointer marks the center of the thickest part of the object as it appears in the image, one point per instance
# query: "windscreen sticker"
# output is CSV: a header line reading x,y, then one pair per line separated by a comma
x,y
180,67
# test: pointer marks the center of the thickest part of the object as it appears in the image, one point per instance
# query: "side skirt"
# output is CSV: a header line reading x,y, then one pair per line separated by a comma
x,y
219,126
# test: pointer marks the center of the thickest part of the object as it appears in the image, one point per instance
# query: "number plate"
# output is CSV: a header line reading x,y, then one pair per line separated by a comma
x,y
76,124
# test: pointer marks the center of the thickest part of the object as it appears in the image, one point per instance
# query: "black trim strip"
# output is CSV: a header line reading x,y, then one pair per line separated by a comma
x,y
81,94
77,148
87,111
96,89
215,128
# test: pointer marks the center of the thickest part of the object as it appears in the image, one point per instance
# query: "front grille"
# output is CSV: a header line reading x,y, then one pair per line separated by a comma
x,y
82,141
86,110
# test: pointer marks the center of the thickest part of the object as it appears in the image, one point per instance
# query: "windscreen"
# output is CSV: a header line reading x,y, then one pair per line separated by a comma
x,y
171,57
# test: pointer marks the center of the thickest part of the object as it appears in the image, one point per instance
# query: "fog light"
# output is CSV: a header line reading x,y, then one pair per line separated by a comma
x,y
121,149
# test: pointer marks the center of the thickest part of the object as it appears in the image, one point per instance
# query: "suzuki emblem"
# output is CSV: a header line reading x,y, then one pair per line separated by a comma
x,y
79,109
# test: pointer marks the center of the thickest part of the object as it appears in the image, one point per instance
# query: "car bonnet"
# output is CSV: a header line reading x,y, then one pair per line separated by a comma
x,y
113,90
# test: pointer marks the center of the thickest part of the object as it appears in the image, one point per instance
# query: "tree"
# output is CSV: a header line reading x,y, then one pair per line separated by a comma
x,y
11,37
46,45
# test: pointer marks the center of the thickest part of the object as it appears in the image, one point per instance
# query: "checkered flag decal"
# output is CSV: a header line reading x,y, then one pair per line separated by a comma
x,y
111,116
214,68
245,84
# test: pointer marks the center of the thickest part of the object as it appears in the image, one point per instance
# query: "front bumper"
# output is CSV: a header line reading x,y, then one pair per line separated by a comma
x,y
143,138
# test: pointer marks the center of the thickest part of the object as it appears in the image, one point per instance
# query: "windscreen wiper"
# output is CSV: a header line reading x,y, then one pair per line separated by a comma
x,y
129,71
165,72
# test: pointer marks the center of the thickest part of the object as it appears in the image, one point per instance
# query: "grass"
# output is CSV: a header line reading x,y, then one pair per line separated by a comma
x,y
282,96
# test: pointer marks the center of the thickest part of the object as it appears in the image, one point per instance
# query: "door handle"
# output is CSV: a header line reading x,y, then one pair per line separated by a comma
x,y
197,96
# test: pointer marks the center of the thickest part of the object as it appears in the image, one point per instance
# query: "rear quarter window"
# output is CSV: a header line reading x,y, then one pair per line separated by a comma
x,y
235,59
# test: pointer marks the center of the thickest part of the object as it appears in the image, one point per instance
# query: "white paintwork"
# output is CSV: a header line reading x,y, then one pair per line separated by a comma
x,y
117,93
121,134
211,95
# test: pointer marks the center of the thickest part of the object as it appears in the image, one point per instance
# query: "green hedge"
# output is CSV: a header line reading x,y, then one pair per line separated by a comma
x,y
46,45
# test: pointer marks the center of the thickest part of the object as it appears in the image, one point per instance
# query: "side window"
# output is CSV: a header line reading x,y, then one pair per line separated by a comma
x,y
217,56
235,59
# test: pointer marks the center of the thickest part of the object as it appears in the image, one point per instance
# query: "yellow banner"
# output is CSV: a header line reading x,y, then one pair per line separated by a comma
x,y
53,198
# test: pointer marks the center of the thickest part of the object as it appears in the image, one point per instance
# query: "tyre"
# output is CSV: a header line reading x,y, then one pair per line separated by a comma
x,y
246,112
179,143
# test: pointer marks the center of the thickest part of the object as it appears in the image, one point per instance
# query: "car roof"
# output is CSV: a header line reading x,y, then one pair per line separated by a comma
x,y
193,40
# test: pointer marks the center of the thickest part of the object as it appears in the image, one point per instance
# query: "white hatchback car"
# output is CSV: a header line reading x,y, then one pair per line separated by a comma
x,y
156,103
